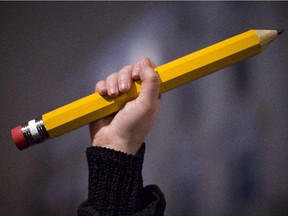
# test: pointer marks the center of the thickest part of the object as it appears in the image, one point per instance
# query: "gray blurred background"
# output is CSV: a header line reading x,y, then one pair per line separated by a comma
x,y
219,146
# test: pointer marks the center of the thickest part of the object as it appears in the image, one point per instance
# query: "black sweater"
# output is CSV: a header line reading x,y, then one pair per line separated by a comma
x,y
116,186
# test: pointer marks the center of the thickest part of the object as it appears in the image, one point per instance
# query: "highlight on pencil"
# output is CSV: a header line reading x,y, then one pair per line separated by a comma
x,y
172,74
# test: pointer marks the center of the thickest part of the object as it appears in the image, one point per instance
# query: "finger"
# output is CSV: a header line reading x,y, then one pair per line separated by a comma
x,y
149,93
124,79
112,85
136,71
101,87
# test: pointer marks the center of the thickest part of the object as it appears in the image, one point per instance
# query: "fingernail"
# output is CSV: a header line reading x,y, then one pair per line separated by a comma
x,y
146,63
123,85
112,91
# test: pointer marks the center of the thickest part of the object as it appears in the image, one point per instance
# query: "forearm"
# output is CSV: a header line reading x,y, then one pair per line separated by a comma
x,y
115,182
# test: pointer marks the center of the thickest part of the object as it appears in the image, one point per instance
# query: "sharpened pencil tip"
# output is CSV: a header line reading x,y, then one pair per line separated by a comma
x,y
280,31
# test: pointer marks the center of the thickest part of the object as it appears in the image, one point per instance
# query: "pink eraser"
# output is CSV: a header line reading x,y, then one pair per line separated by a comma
x,y
19,138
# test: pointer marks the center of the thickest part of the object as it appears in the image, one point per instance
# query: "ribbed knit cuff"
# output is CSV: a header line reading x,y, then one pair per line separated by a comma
x,y
115,180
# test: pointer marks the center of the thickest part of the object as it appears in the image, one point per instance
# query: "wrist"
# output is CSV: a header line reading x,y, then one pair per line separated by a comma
x,y
117,144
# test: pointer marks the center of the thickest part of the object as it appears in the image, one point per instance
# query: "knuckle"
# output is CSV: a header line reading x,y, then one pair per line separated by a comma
x,y
99,84
126,69
112,76
154,78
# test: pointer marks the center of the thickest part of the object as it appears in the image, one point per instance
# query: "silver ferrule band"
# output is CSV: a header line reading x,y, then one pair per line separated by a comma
x,y
34,131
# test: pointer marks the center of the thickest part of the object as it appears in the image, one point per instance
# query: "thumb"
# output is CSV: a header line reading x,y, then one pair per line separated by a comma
x,y
150,83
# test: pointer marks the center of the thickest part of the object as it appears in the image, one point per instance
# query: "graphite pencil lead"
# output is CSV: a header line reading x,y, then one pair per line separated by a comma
x,y
280,31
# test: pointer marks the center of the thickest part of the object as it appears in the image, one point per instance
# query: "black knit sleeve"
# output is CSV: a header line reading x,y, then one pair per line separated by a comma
x,y
116,185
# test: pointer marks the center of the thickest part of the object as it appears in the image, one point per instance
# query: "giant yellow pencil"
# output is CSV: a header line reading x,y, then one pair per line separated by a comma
x,y
173,74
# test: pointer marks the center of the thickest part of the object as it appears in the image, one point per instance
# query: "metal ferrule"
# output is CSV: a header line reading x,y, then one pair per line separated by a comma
x,y
34,131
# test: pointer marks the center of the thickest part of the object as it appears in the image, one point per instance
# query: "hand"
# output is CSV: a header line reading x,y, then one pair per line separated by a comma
x,y
126,130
